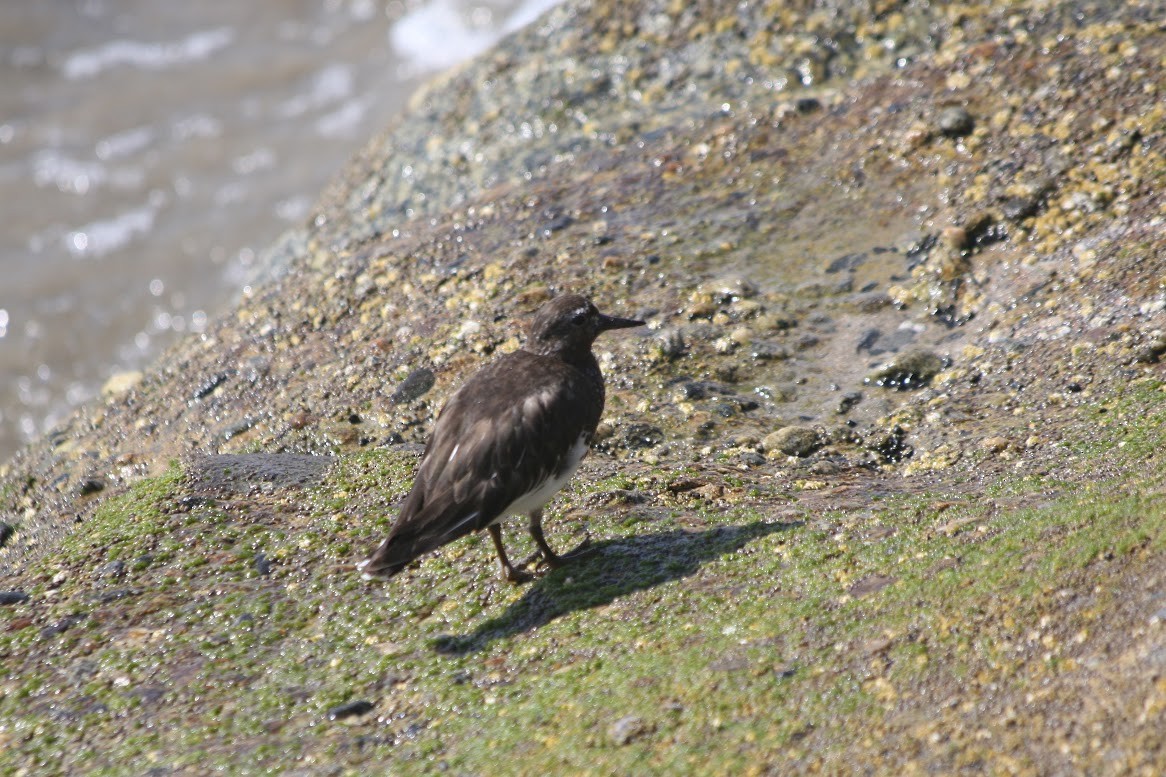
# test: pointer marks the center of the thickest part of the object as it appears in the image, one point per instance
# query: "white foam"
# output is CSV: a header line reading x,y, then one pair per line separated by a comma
x,y
147,56
52,168
100,237
330,85
437,35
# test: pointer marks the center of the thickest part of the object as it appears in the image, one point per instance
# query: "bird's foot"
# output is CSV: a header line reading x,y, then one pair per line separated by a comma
x,y
554,560
516,576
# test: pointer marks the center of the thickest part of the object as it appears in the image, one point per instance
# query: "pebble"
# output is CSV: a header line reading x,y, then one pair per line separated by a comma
x,y
191,501
626,730
889,444
209,385
121,382
767,352
13,597
907,371
798,441
870,584
61,626
414,385
711,491
670,344
691,390
556,224
751,459
6,532
113,569
642,436
262,564
955,122
350,709
848,402
237,428
90,486
105,597
994,444
1152,351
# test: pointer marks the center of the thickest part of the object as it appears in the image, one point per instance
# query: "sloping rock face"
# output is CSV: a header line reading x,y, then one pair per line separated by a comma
x,y
928,238
783,192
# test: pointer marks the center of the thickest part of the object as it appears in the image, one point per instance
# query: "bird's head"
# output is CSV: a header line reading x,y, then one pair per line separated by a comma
x,y
569,324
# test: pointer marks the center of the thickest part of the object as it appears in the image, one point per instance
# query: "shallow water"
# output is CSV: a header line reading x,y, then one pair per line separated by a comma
x,y
149,151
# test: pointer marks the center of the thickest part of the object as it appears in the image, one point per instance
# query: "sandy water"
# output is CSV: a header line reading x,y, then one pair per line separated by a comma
x,y
149,151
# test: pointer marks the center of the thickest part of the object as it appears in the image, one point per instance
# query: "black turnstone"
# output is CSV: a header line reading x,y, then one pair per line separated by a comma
x,y
509,439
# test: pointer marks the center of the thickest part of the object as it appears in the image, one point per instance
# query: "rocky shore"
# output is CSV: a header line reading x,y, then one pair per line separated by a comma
x,y
878,489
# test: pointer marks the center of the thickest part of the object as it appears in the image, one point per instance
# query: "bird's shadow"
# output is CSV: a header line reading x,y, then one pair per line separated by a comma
x,y
612,568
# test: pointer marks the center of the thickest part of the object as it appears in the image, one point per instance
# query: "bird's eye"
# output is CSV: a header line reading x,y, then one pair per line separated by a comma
x,y
579,318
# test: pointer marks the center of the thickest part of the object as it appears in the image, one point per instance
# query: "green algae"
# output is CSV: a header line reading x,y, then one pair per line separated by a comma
x,y
732,637
959,605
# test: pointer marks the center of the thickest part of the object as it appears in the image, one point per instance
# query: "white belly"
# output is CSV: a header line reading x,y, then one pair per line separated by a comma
x,y
542,494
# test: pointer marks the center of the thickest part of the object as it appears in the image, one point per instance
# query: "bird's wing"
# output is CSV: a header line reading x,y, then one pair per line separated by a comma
x,y
488,448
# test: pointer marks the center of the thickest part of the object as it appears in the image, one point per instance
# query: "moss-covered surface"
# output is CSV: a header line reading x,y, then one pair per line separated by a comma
x,y
190,628
959,571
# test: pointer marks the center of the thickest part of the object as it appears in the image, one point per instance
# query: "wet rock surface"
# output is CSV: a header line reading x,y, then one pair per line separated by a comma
x,y
809,204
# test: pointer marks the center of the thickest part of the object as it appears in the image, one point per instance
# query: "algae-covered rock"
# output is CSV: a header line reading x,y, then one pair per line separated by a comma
x,y
798,441
909,370
794,198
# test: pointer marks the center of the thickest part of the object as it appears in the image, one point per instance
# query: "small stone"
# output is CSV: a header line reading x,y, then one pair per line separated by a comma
x,y
907,371
751,459
191,501
237,428
725,345
13,597
642,436
767,352
207,387
113,569
955,121
807,104
556,224
889,444
61,626
121,382
262,564
870,584
617,496
534,295
954,238
1151,352
670,344
6,532
798,441
414,385
626,730
90,486
692,390
105,597
848,401
711,491
1018,208
683,484
350,709
994,444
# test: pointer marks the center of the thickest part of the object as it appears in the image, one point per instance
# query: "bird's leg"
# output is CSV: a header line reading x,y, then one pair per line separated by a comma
x,y
509,573
550,558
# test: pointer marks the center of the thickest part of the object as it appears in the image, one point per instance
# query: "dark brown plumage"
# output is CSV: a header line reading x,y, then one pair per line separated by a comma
x,y
507,441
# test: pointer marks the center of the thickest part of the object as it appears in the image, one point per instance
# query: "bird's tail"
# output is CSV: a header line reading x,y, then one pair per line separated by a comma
x,y
386,561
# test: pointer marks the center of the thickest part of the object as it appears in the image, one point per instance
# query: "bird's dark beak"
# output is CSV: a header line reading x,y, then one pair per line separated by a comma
x,y
612,322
